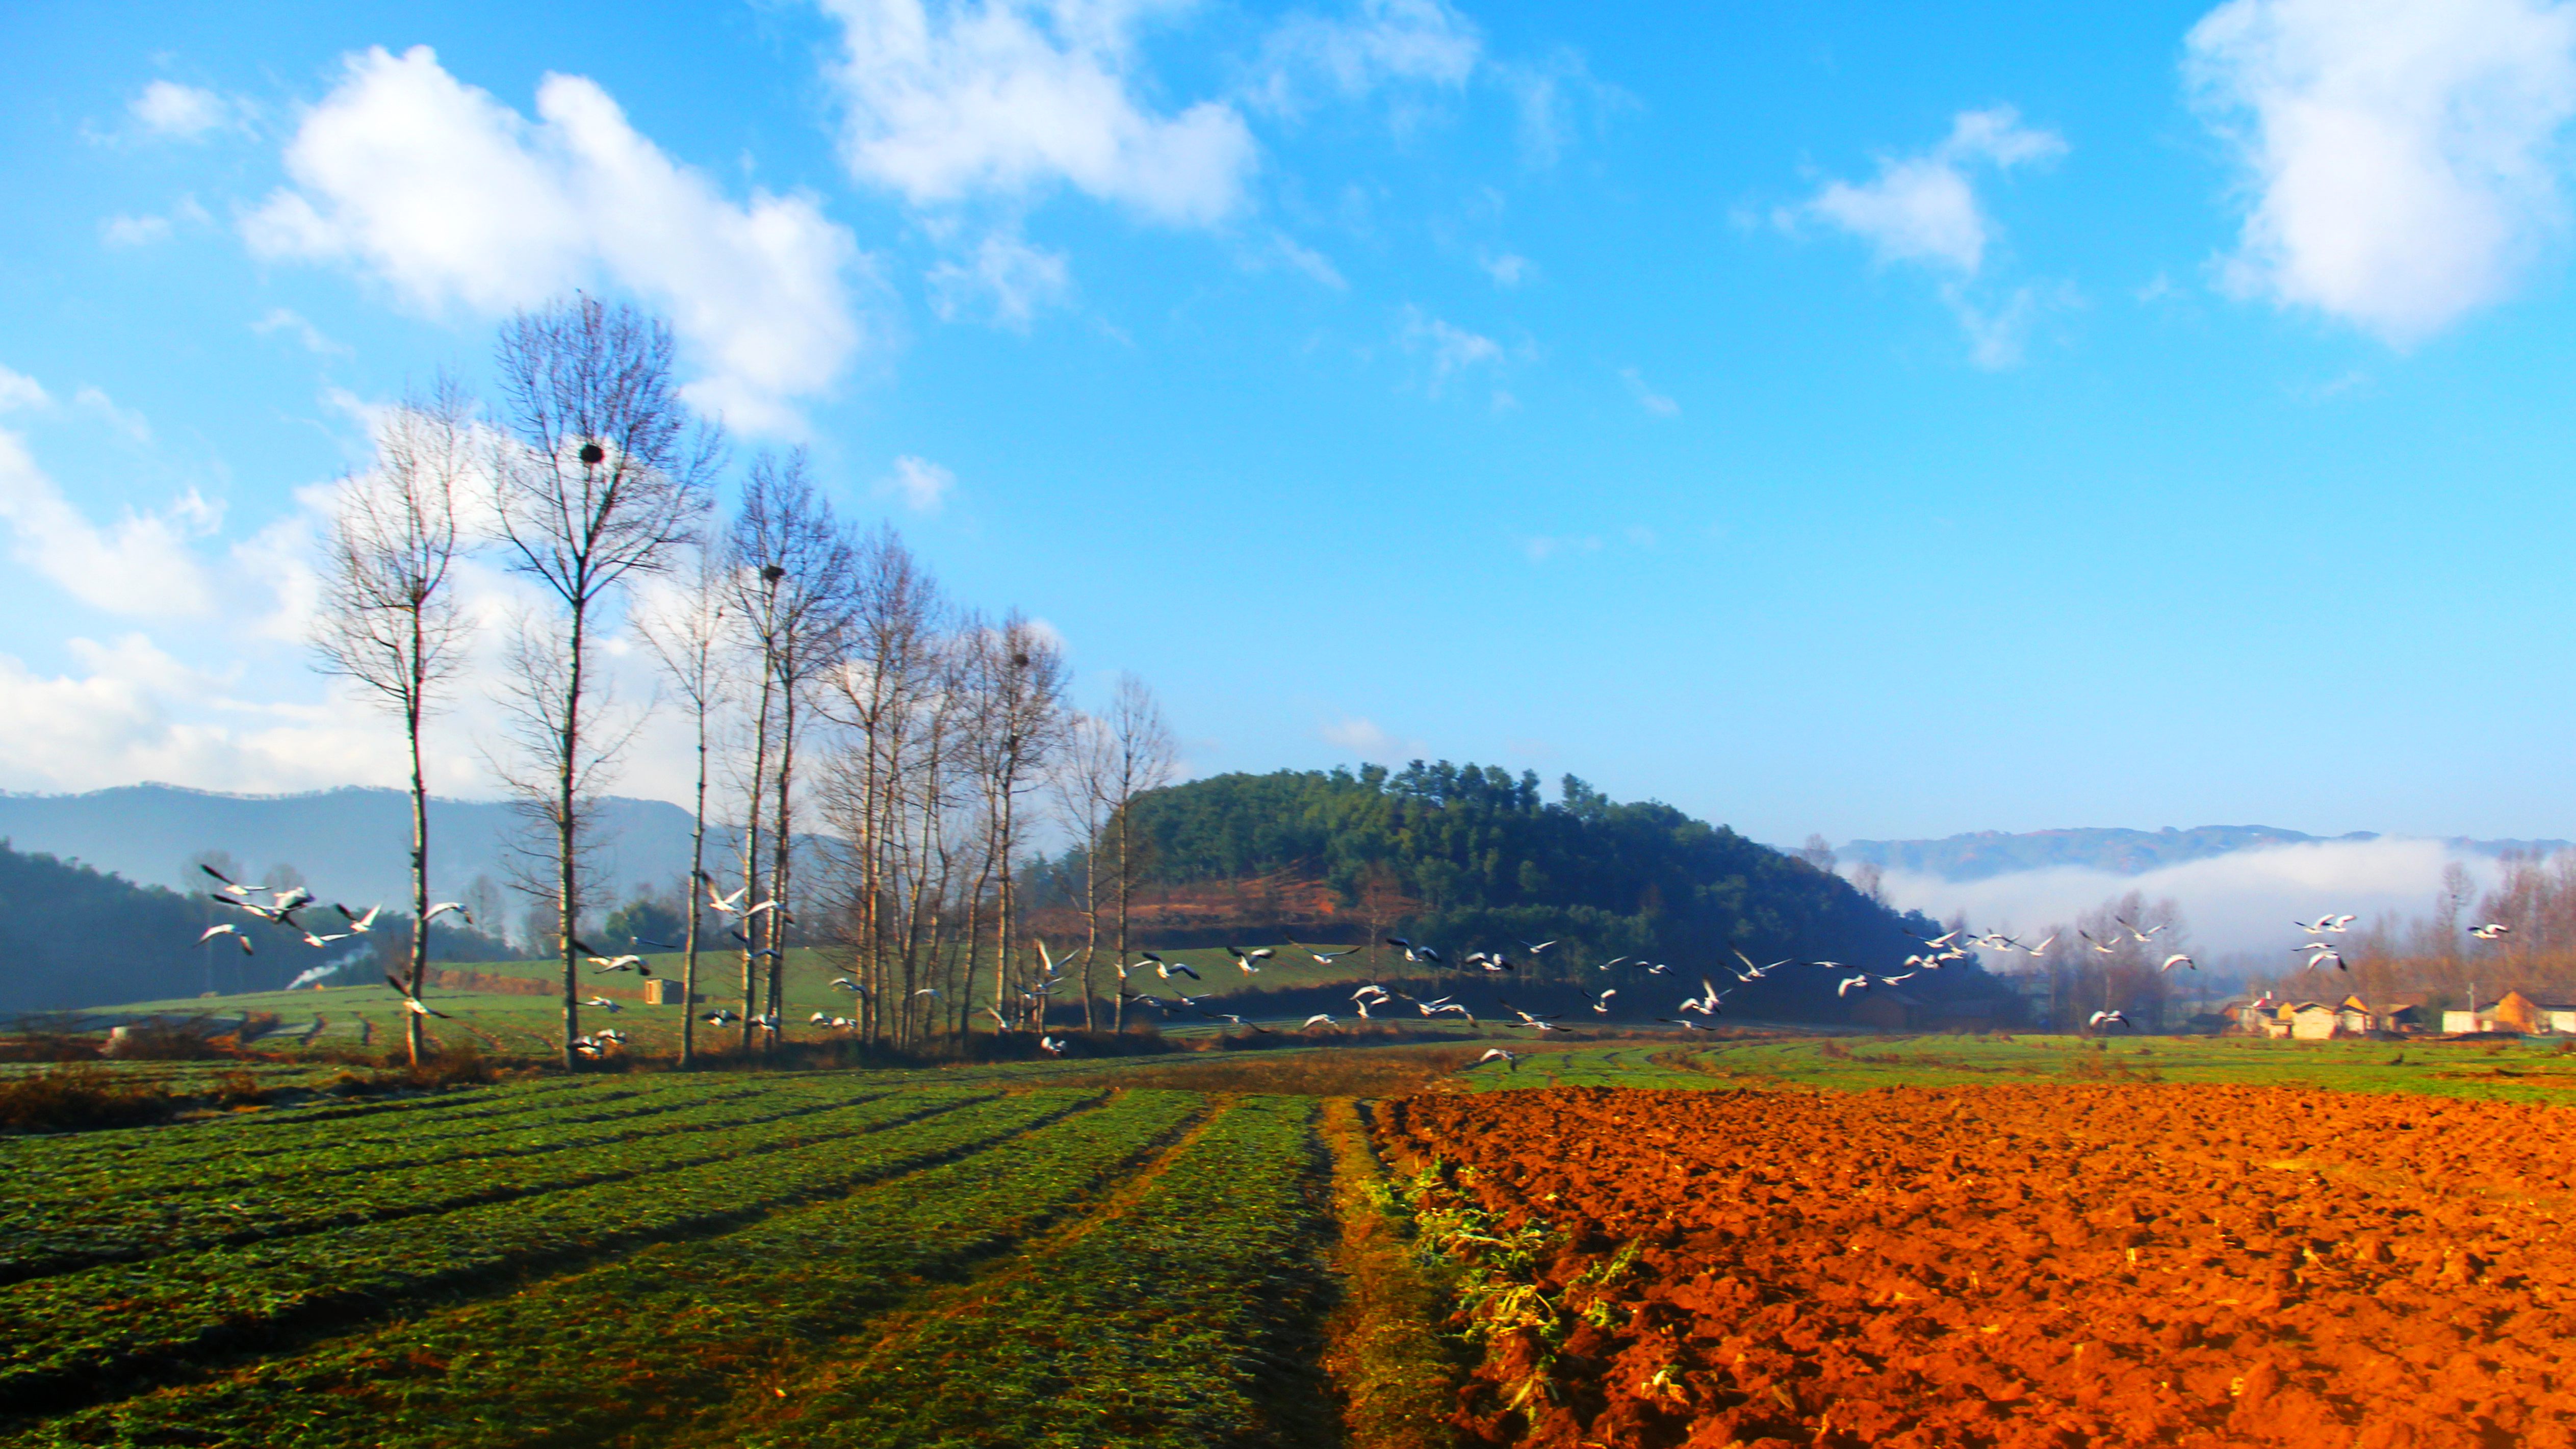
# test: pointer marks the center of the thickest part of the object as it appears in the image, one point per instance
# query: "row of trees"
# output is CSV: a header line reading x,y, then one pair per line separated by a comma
x,y
2534,896
824,672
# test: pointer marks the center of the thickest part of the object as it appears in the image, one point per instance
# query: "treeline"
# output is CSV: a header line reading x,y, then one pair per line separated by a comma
x,y
1471,857
2534,898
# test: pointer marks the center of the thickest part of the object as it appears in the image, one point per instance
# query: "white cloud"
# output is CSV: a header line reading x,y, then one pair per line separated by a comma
x,y
1015,278
19,391
1549,95
1309,261
1923,208
921,485
1540,550
1509,269
1647,398
182,113
1387,43
134,231
454,199
283,319
1452,349
2400,158
125,420
140,565
946,101
1366,739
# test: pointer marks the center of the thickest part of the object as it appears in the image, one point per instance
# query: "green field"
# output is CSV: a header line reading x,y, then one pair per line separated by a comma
x,y
1128,1251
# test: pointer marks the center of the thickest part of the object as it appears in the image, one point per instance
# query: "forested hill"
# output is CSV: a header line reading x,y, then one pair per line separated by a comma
x,y
72,936
1471,857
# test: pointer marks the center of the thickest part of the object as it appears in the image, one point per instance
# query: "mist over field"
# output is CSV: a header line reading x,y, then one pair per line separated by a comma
x,y
2238,908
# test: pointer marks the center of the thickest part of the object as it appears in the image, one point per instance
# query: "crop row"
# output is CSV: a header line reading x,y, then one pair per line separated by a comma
x,y
346,1147
75,1333
156,1217
278,1131
670,1333
1174,1323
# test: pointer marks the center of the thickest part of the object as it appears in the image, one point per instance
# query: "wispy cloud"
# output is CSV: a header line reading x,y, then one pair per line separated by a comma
x,y
1371,742
1008,278
918,484
1922,210
171,111
1647,398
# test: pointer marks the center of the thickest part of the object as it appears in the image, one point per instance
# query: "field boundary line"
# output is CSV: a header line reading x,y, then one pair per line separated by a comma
x,y
1396,1376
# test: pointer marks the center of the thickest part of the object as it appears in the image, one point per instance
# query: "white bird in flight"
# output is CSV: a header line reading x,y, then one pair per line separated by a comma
x,y
2491,931
2178,959
358,924
1511,1060
2101,1019
227,929
1318,1019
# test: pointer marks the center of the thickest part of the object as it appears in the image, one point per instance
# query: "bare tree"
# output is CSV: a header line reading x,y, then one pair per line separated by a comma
x,y
687,635
388,619
1018,693
605,476
887,783
796,581
1143,758
1080,782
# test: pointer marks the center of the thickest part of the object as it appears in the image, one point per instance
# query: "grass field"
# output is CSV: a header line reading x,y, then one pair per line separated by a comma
x,y
1146,1250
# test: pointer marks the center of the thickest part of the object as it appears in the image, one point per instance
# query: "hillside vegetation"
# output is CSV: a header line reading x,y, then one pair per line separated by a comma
x,y
1469,857
73,936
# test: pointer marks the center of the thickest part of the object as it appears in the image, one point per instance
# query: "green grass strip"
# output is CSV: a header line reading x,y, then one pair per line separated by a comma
x,y
154,1215
73,1337
1181,1323
641,1345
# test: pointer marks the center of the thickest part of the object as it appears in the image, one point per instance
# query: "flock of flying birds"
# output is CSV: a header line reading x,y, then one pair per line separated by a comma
x,y
286,902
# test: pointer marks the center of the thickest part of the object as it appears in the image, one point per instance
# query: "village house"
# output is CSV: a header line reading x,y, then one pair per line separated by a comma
x,y
2311,1020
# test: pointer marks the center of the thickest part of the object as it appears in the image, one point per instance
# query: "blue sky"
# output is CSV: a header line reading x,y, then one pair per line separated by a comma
x,y
1826,418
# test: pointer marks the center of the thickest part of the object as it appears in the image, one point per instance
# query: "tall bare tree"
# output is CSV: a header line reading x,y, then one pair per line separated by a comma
x,y
885,694
605,476
687,636
1080,782
1019,717
797,579
389,620
1143,758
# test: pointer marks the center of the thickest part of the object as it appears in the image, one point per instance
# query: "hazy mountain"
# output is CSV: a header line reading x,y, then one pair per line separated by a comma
x,y
351,844
1988,853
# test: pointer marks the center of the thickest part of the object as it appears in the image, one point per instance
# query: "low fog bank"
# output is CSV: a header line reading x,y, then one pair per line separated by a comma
x,y
2238,908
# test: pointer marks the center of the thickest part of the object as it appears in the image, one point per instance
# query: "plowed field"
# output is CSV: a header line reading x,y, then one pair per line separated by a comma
x,y
2021,1265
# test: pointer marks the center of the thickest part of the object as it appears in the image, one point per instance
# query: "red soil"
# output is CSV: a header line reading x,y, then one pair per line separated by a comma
x,y
2027,1265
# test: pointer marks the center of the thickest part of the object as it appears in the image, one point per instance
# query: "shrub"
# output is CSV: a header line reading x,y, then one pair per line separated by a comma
x,y
76,1095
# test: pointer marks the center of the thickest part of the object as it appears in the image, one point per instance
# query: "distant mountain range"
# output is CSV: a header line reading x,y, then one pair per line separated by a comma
x,y
350,844
1988,853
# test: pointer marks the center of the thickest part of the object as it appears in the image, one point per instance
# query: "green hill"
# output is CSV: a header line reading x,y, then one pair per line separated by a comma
x,y
1469,857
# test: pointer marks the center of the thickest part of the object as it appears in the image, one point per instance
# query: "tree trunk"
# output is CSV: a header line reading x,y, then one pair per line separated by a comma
x,y
418,969
697,868
783,849
1126,879
751,852
565,783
